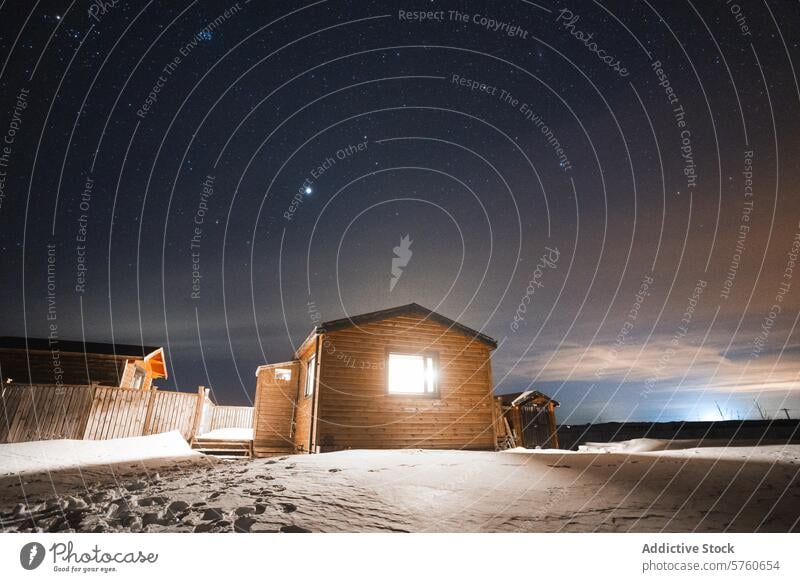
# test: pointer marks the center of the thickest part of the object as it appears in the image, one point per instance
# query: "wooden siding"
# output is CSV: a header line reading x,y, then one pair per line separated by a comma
x,y
127,374
355,409
274,410
131,366
102,369
305,405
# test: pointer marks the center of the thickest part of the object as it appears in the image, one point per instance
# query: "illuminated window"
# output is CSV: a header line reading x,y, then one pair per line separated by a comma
x,y
283,374
311,374
411,374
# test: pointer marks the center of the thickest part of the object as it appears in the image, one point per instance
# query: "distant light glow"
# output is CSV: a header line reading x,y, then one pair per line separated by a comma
x,y
308,190
710,415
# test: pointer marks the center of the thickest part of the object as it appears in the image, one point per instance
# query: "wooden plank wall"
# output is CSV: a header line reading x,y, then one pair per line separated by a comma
x,y
304,406
232,417
117,413
273,418
46,411
356,411
43,412
172,411
36,367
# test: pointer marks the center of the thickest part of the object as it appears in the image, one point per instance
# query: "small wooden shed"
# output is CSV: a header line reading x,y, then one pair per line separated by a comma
x,y
45,361
527,419
405,377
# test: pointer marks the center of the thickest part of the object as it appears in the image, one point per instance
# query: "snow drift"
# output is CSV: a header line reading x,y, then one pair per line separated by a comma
x,y
56,455
709,489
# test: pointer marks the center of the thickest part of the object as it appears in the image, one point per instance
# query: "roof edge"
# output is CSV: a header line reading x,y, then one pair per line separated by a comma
x,y
363,318
77,346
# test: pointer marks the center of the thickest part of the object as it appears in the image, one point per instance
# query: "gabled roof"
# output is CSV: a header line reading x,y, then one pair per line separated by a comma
x,y
520,398
78,347
410,309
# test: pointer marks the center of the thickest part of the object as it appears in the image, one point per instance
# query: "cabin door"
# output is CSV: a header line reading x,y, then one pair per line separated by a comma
x,y
535,426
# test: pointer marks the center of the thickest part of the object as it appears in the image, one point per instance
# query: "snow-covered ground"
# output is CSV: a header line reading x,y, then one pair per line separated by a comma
x,y
232,434
635,487
57,455
707,449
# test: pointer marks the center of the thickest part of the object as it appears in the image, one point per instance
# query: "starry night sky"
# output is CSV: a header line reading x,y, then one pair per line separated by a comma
x,y
609,189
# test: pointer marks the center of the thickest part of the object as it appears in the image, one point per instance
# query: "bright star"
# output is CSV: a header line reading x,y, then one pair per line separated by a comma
x,y
308,190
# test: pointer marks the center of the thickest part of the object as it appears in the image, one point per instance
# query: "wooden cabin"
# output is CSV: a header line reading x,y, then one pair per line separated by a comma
x,y
40,361
405,377
527,419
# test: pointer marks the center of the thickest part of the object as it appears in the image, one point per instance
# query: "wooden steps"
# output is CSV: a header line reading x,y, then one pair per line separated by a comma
x,y
226,449
274,451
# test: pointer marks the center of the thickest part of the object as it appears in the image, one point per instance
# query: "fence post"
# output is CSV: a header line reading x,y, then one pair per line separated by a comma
x,y
87,414
198,411
6,420
148,417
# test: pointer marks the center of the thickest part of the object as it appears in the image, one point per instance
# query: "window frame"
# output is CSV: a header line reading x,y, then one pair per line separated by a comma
x,y
311,374
279,372
425,354
138,373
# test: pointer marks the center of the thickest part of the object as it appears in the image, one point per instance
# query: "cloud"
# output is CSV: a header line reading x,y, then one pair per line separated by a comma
x,y
664,364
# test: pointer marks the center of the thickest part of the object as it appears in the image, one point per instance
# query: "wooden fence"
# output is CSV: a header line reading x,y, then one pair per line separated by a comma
x,y
232,417
42,412
176,411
